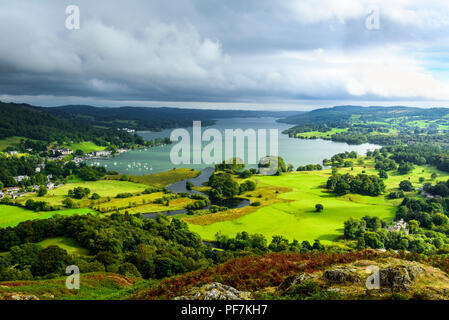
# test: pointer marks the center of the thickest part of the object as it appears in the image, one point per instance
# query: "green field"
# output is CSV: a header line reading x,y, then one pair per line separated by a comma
x,y
9,142
318,134
86,147
105,188
296,218
11,216
68,244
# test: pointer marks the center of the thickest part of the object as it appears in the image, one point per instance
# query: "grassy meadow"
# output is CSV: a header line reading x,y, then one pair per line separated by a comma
x,y
321,135
86,147
105,188
11,216
68,244
9,142
295,217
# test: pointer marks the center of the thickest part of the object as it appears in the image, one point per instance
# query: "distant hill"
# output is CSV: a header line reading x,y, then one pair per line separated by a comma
x,y
66,124
374,113
155,119
24,120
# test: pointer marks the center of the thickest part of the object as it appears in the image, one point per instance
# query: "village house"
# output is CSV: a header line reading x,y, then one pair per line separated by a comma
x,y
11,190
50,186
64,151
400,225
122,150
21,178
103,153
13,153
128,130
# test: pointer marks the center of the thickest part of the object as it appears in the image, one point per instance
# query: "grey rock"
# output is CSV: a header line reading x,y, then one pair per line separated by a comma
x,y
293,281
341,275
215,291
399,278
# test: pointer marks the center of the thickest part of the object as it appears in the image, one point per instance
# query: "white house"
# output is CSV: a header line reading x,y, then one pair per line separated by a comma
x,y
103,153
12,189
21,178
50,186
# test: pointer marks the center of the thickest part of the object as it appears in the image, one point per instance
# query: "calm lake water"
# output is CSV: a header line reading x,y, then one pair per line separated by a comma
x,y
295,151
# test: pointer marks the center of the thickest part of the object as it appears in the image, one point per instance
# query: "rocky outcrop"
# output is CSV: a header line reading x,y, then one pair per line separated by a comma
x,y
399,278
18,296
293,281
341,275
215,291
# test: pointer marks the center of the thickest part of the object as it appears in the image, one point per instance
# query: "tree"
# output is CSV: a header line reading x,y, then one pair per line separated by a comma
x,y
317,245
223,186
405,168
51,260
95,196
189,185
25,255
248,185
354,228
42,191
319,207
383,174
69,203
433,176
413,226
406,186
373,240
278,244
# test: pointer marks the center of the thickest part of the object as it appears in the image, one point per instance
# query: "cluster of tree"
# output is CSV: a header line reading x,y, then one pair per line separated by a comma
x,y
370,233
38,205
124,195
224,187
247,185
200,203
245,174
118,243
232,165
396,195
406,186
341,159
363,184
258,242
310,167
270,162
78,193
385,164
430,213
439,189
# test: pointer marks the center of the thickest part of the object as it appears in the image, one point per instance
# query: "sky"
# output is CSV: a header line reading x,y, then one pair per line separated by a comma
x,y
227,54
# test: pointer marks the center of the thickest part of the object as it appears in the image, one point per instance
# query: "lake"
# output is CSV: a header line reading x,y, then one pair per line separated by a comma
x,y
295,151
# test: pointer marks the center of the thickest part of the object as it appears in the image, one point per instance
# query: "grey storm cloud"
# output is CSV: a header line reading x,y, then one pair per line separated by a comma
x,y
211,50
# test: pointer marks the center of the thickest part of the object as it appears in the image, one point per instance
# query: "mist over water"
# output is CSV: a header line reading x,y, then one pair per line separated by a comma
x,y
295,151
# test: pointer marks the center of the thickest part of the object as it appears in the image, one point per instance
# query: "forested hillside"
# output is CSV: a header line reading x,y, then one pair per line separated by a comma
x,y
154,119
